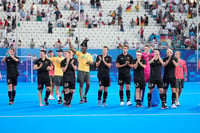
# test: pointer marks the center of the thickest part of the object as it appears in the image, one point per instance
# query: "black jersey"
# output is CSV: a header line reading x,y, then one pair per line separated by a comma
x,y
139,71
121,59
43,70
155,71
169,72
70,72
102,67
12,66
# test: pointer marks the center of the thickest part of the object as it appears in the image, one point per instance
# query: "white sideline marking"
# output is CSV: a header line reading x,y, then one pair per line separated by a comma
x,y
101,115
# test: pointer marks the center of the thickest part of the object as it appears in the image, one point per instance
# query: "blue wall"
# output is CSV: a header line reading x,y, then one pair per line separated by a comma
x,y
188,55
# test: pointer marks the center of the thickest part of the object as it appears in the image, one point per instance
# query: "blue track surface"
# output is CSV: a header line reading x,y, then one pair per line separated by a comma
x,y
26,115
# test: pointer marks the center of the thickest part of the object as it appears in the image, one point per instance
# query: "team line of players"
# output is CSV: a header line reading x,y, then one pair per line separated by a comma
x,y
61,72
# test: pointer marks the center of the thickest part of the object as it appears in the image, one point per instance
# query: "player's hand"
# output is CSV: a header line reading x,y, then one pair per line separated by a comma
x,y
40,65
100,58
72,62
185,78
68,40
127,62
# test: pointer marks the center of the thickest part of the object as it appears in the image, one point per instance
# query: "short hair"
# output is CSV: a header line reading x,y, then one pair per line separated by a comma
x,y
44,51
12,49
125,45
147,46
72,50
106,47
157,50
50,51
179,52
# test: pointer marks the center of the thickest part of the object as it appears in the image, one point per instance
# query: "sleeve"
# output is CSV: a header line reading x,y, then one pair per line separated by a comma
x,y
118,59
36,63
75,62
90,58
62,63
49,63
144,62
110,60
185,68
97,59
78,53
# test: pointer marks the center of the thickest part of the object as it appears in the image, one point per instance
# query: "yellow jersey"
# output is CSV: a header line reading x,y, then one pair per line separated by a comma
x,y
57,66
82,60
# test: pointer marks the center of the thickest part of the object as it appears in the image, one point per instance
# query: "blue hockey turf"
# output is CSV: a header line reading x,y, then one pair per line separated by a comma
x,y
26,116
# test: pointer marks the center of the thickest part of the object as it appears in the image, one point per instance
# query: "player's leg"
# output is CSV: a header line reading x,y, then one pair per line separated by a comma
x,y
80,79
48,90
52,88
149,96
100,94
128,95
106,84
10,86
173,89
40,89
57,84
87,79
165,88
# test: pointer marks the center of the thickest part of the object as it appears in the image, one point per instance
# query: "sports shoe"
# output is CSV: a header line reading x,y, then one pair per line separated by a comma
x,y
128,103
122,103
177,103
104,104
164,106
51,97
137,105
173,106
46,102
99,102
81,101
85,99
10,103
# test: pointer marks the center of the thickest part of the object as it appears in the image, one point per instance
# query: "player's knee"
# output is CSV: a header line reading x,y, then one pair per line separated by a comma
x,y
40,87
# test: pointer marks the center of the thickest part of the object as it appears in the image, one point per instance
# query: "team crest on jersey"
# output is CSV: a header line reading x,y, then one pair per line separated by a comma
x,y
120,81
66,85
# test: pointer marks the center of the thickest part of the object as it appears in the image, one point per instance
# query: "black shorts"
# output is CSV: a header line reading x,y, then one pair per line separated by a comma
x,y
68,84
139,84
103,80
43,80
166,83
51,79
152,83
179,83
12,80
124,78
58,80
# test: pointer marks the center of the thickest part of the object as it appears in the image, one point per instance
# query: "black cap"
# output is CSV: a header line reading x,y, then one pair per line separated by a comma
x,y
59,50
84,45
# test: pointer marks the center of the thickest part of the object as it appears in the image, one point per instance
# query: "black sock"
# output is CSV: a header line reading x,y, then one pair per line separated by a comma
x,y
70,95
105,96
165,97
10,95
99,94
121,94
137,101
149,97
13,94
128,94
65,97
173,98
162,98
47,95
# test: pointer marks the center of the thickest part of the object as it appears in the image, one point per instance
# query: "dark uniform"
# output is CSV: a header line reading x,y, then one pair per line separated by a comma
x,y
12,71
69,74
169,74
139,79
124,72
43,73
155,74
103,71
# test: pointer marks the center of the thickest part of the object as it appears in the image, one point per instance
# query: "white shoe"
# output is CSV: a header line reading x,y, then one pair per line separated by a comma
x,y
122,103
173,106
51,97
177,103
104,105
128,103
99,102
